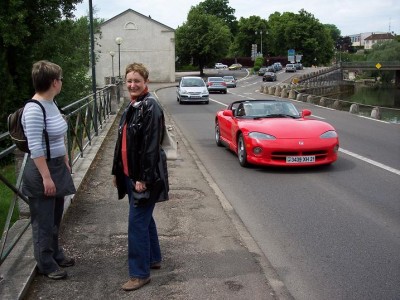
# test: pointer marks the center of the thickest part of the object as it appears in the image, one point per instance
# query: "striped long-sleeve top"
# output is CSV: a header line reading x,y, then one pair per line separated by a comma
x,y
33,124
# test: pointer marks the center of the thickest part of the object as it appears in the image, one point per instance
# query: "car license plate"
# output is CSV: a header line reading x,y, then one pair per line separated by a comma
x,y
299,159
194,96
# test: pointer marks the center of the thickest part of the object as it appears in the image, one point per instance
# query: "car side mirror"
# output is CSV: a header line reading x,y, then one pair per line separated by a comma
x,y
228,113
305,113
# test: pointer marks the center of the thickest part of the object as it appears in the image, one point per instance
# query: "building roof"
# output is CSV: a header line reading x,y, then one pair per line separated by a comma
x,y
137,13
380,36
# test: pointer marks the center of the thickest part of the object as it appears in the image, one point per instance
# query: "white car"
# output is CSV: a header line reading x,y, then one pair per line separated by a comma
x,y
192,89
220,66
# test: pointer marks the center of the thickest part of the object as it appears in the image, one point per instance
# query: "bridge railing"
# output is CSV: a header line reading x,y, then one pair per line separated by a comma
x,y
370,65
85,118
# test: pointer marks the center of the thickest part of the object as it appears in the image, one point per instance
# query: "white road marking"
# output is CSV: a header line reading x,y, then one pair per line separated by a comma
x,y
370,161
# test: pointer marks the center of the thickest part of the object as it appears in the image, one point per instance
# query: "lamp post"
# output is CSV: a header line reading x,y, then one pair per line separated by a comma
x,y
261,32
119,41
112,53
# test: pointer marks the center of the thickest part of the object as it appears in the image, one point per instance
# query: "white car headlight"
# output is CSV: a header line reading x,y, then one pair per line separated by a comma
x,y
261,136
183,91
329,135
205,91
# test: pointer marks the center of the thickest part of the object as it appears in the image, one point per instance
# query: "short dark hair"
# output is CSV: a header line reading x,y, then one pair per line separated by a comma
x,y
43,74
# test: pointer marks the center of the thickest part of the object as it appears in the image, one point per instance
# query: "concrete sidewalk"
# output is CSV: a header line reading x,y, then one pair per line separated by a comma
x,y
207,252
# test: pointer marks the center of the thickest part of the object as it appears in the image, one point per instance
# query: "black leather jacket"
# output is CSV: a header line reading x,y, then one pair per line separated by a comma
x,y
147,161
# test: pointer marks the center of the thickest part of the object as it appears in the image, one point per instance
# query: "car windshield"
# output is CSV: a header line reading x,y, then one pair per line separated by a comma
x,y
267,109
192,82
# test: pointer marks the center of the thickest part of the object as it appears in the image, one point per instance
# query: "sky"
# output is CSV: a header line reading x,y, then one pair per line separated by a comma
x,y
349,16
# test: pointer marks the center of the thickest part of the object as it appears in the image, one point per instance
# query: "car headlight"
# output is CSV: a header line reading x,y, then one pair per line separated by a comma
x,y
205,91
329,135
261,136
183,91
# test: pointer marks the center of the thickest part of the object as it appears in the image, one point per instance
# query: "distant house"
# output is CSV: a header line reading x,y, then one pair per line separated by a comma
x,y
143,40
377,38
358,40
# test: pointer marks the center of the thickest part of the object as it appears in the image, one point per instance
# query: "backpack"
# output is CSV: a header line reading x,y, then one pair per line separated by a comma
x,y
16,129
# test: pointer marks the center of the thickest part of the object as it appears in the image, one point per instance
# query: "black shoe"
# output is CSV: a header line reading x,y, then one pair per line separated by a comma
x,y
57,274
67,262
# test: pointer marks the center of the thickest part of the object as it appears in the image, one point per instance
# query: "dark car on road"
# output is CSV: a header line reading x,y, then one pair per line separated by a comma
x,y
298,66
262,71
269,76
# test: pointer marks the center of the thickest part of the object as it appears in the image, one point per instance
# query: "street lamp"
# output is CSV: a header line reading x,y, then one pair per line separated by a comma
x,y
112,53
119,41
261,32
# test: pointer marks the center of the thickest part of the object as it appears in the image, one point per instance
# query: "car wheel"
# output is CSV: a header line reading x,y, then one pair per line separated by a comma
x,y
206,102
217,135
225,91
241,151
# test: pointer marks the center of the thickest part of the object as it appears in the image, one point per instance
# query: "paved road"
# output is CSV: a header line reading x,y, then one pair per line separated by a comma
x,y
330,232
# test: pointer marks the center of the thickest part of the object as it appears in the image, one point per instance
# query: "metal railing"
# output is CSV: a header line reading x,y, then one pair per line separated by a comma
x,y
371,65
84,117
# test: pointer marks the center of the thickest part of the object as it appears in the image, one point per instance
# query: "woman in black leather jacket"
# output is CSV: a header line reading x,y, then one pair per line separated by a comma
x,y
140,170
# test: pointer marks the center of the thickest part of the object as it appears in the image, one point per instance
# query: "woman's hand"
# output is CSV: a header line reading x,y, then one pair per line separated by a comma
x,y
49,187
140,186
115,181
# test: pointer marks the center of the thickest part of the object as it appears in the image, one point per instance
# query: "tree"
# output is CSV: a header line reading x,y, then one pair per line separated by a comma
x,y
34,30
222,10
246,36
202,39
333,31
302,32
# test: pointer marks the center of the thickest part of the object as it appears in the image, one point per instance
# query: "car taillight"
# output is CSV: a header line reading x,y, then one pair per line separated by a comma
x,y
224,83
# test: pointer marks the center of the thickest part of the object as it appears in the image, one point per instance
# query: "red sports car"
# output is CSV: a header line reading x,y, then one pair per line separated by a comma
x,y
274,133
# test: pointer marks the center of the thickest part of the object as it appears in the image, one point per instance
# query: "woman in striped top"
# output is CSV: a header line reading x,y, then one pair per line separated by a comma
x,y
47,181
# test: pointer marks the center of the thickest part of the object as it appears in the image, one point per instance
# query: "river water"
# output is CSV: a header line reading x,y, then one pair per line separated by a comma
x,y
378,96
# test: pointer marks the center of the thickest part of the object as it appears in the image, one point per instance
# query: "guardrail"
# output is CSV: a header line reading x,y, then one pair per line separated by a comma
x,y
370,65
84,117
315,93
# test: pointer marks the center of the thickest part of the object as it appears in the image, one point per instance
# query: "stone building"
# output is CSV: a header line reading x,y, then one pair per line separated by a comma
x,y
142,39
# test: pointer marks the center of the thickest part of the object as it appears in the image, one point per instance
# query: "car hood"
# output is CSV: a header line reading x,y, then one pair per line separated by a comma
x,y
286,128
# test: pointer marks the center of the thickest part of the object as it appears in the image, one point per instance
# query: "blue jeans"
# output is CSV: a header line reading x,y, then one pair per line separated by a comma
x,y
143,244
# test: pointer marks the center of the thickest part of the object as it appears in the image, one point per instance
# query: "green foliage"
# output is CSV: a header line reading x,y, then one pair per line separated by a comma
x,y
6,196
246,36
222,10
35,30
202,40
301,32
334,32
381,52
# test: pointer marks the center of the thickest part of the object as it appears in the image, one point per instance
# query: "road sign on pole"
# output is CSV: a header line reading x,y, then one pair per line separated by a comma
x,y
291,53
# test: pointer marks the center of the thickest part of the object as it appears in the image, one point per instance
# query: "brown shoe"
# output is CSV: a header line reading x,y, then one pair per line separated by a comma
x,y
135,283
155,266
